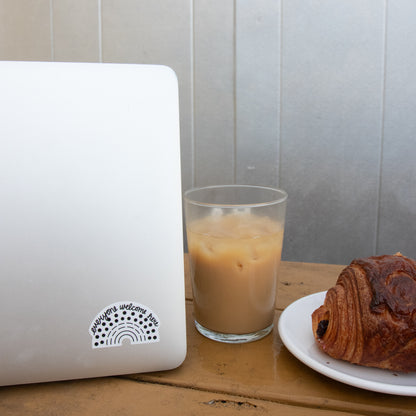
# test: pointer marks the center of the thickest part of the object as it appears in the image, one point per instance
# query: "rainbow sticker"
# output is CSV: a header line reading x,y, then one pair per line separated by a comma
x,y
124,322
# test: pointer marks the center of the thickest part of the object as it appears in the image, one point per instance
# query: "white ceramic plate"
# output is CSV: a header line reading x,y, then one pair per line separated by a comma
x,y
295,329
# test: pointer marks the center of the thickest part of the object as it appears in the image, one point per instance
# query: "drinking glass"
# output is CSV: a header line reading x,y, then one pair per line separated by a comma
x,y
235,237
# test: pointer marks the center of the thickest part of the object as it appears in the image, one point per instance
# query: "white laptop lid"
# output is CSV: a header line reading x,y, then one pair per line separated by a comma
x,y
91,254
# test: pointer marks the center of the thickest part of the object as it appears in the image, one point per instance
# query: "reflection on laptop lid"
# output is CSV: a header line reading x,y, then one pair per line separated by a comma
x,y
91,240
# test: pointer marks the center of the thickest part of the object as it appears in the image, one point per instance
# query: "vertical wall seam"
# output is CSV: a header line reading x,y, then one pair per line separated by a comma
x,y
51,30
100,31
192,79
235,91
279,98
382,130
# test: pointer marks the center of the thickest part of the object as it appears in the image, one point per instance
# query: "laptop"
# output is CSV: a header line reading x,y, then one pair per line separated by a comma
x,y
91,239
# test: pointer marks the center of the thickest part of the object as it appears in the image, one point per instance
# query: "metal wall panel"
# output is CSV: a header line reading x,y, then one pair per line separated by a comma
x,y
397,226
76,30
25,30
332,78
258,92
214,92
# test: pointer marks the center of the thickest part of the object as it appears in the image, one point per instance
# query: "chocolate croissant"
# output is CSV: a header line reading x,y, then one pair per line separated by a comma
x,y
369,317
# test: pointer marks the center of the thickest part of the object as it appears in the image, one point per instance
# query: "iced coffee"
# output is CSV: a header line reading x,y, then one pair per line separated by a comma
x,y
234,260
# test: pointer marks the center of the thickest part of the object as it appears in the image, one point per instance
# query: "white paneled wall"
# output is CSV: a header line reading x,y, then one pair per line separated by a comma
x,y
314,96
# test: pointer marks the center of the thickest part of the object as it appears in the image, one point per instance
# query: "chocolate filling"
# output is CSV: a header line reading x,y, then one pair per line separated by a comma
x,y
322,327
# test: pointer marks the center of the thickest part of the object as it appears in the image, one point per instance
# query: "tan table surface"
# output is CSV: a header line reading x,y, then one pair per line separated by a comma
x,y
254,379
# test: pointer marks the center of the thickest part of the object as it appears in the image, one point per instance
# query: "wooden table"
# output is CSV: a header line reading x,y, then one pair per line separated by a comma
x,y
217,379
